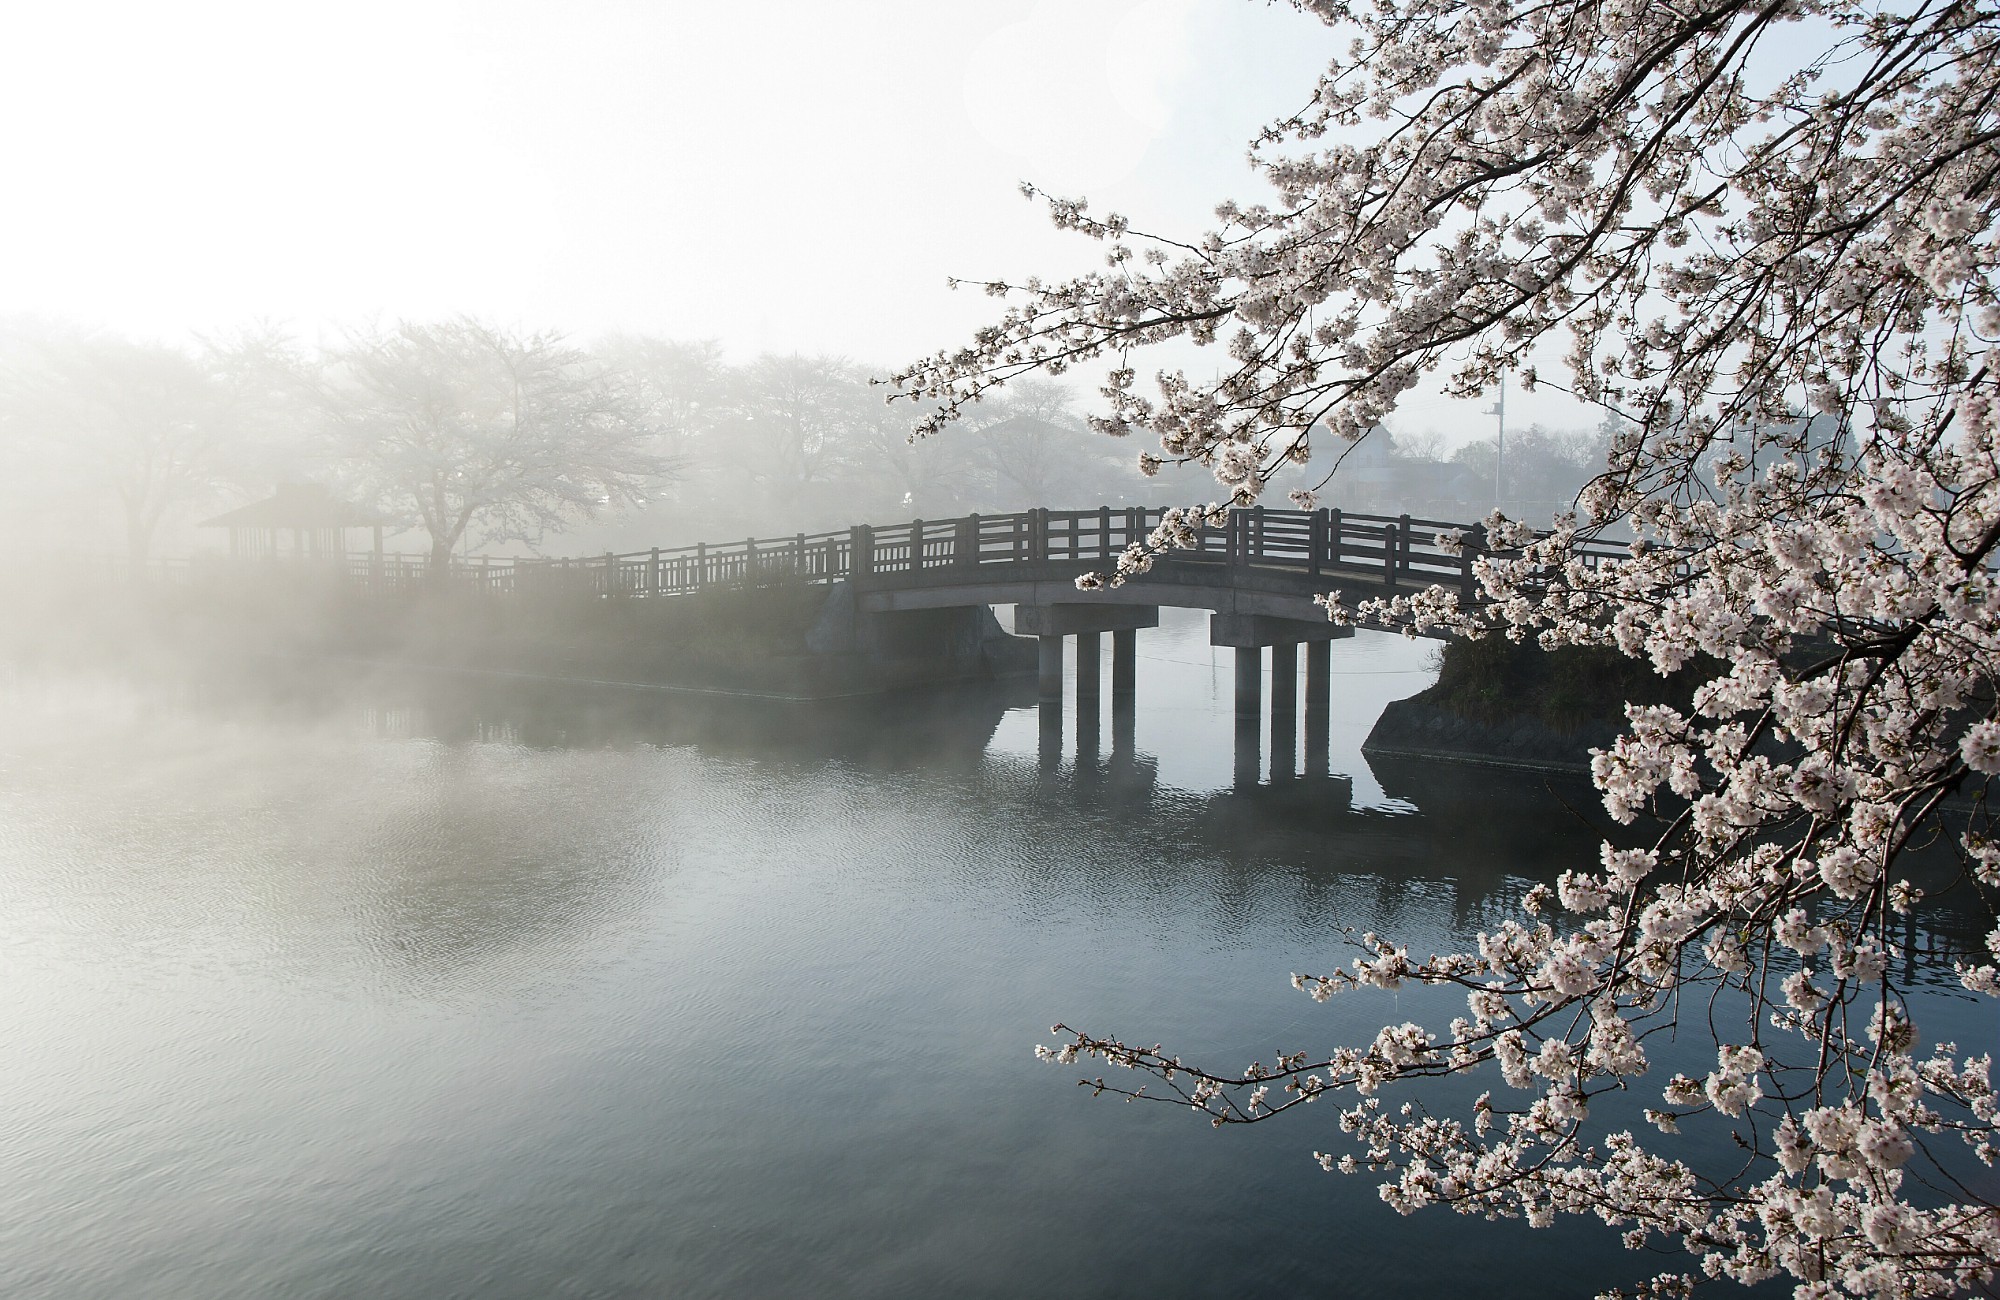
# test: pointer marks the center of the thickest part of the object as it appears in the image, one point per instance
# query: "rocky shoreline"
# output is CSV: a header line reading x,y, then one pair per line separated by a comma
x,y
1510,704
1421,728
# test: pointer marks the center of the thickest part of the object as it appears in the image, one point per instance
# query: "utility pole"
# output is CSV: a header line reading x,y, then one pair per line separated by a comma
x,y
1499,409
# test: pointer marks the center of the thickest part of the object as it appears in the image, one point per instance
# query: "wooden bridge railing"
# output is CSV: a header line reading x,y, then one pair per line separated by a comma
x,y
1385,552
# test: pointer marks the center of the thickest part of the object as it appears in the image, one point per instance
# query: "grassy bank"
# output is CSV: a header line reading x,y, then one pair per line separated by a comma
x,y
1494,681
751,637
1515,704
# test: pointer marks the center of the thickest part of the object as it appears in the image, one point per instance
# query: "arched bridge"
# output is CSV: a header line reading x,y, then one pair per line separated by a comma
x,y
1257,573
1259,562
932,582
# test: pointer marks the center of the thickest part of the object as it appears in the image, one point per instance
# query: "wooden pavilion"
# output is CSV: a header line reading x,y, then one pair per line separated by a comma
x,y
317,524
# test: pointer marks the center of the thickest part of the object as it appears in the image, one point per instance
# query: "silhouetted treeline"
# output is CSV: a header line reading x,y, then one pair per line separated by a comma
x,y
462,436
1420,474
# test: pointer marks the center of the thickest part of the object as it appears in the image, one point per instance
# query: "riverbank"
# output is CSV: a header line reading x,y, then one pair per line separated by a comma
x,y
1423,729
778,640
1497,703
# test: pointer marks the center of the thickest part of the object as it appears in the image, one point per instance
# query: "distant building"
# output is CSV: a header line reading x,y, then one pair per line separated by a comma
x,y
306,514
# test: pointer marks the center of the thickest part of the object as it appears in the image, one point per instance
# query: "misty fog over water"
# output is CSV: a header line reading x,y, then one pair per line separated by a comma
x,y
413,987
512,784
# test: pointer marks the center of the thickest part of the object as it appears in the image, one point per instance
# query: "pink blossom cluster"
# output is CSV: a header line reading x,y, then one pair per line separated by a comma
x,y
1780,271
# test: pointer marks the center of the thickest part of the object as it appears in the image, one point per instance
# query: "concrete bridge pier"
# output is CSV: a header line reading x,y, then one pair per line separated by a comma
x,y
1124,692
1050,624
1089,664
1089,698
1249,634
1284,710
1049,667
1124,742
1249,716
1249,683
1089,694
1319,707
1058,621
1249,753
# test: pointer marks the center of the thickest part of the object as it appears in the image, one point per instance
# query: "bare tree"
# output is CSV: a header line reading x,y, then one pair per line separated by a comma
x,y
683,388
265,387
144,423
463,427
1030,448
1545,467
1426,444
901,473
797,411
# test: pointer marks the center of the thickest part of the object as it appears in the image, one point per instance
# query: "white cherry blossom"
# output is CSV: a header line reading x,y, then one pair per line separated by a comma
x,y
1785,280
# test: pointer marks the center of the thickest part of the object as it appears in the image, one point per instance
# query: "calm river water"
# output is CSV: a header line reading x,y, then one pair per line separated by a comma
x,y
434,991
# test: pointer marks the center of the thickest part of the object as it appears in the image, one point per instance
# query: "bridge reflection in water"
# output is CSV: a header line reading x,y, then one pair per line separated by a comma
x,y
1477,836
902,592
1253,721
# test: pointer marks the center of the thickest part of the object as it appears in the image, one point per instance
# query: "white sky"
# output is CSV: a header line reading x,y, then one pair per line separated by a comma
x,y
777,176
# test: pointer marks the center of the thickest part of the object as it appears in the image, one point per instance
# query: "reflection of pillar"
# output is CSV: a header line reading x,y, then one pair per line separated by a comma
x,y
1249,683
1124,691
1284,709
1050,677
1051,734
1124,664
1249,711
1248,760
1319,706
1088,711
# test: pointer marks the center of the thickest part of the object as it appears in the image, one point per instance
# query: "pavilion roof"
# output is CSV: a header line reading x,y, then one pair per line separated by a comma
x,y
297,505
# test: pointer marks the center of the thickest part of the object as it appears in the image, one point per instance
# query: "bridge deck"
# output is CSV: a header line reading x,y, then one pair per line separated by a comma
x,y
1256,558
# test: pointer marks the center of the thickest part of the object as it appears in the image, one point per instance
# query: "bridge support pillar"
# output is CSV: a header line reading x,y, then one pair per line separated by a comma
x,y
1124,692
1049,672
1248,760
1284,710
1089,664
1089,710
1249,683
1072,620
1123,737
1051,738
1319,706
1249,717
1124,664
1258,630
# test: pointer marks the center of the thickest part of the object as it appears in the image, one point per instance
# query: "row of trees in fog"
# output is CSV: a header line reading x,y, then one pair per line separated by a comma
x,y
1538,474
462,435
468,435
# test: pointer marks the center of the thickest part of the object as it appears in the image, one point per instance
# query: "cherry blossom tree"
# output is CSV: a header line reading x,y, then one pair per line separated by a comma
x,y
1684,220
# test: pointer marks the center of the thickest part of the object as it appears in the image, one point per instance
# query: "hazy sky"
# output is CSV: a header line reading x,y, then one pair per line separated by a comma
x,y
777,176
